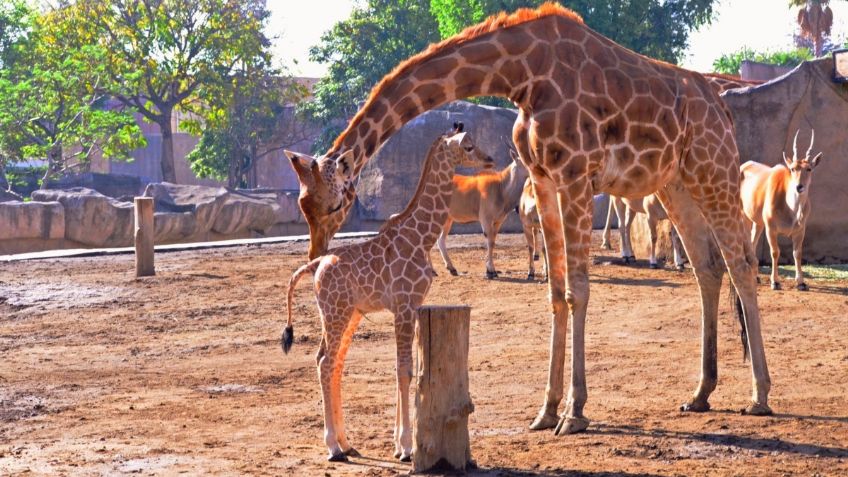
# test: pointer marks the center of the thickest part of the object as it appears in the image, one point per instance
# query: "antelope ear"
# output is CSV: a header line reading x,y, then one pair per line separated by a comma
x,y
815,160
345,166
514,155
786,160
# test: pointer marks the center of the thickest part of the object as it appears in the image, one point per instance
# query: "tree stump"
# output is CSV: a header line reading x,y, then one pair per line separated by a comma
x,y
144,235
442,401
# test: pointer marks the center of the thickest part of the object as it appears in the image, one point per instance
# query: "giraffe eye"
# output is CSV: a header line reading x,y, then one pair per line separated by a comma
x,y
469,148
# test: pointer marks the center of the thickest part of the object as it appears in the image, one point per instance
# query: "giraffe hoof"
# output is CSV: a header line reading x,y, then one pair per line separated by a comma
x,y
775,285
352,453
757,409
653,266
571,425
340,457
453,272
397,454
491,275
695,406
406,458
802,287
536,257
531,277
544,421
681,267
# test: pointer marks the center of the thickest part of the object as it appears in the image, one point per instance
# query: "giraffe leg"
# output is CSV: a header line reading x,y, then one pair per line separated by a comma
x,y
797,250
771,236
546,204
605,243
404,334
575,203
756,232
707,265
443,248
723,212
344,345
326,367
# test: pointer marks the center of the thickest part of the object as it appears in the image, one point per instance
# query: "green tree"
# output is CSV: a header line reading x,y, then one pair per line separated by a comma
x,y
248,118
160,52
51,105
656,28
729,63
360,51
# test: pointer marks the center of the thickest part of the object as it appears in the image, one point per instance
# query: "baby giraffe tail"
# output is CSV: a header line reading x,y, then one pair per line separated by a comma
x,y
288,333
736,303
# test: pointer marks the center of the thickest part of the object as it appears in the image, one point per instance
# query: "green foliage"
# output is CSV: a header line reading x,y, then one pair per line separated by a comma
x,y
656,28
730,63
51,105
159,53
247,119
360,51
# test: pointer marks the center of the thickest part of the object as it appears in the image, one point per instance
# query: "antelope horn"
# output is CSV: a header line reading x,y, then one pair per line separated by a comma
x,y
795,145
812,139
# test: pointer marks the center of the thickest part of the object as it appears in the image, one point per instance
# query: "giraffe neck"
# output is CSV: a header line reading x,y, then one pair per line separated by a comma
x,y
499,63
428,209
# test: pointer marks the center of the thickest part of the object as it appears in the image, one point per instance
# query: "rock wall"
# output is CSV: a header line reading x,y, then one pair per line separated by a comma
x,y
766,118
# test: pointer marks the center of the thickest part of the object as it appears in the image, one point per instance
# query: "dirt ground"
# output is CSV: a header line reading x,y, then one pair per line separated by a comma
x,y
182,373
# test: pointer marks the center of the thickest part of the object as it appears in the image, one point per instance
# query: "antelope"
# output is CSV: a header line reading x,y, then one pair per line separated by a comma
x,y
626,210
529,215
776,199
486,197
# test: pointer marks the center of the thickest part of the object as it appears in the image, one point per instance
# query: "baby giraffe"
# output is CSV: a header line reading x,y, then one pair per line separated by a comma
x,y
391,271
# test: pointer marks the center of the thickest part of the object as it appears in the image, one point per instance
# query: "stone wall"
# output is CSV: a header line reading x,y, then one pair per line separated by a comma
x,y
766,118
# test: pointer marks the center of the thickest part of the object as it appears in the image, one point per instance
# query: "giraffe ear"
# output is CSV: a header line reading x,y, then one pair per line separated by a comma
x,y
302,167
345,166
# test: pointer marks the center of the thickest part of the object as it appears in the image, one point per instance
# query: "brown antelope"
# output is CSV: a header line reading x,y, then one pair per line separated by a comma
x,y
776,199
529,215
626,210
486,197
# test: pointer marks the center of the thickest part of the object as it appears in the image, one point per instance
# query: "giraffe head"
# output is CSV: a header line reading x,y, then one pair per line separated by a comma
x,y
327,187
801,168
463,150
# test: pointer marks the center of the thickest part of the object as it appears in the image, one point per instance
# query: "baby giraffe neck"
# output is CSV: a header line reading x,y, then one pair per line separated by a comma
x,y
429,208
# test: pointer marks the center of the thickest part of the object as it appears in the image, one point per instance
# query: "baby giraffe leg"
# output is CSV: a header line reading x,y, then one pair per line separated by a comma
x,y
326,366
404,334
338,414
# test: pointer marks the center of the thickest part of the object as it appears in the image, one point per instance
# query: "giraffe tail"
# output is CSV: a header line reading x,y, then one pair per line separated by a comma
x,y
740,316
288,332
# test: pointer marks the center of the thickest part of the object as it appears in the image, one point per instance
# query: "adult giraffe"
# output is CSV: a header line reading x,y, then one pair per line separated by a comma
x,y
599,117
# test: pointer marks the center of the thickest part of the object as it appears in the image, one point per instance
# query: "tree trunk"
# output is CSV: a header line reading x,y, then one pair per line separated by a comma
x,y
54,163
169,173
4,183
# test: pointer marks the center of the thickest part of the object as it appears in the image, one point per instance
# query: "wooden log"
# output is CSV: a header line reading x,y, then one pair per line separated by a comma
x,y
442,401
144,235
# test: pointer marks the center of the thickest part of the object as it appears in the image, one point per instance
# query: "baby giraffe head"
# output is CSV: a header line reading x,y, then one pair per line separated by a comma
x,y
801,168
463,151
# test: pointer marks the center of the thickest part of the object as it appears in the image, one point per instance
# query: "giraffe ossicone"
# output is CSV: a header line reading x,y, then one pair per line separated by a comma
x,y
391,271
593,117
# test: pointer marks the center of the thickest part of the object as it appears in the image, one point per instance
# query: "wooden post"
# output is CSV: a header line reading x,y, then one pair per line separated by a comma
x,y
442,401
144,234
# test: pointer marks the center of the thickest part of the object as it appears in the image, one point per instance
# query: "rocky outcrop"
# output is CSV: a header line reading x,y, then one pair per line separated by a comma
x,y
92,218
32,220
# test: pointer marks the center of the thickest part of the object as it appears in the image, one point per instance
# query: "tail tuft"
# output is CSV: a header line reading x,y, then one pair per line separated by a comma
x,y
287,339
